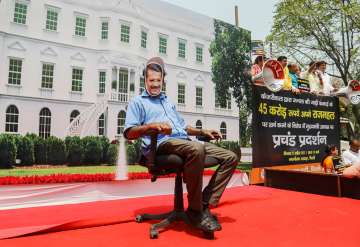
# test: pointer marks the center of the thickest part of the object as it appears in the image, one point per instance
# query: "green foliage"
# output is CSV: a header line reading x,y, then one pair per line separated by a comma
x,y
112,154
105,146
93,150
230,145
245,126
7,151
231,61
40,150
133,152
319,30
75,150
25,150
56,150
308,30
31,149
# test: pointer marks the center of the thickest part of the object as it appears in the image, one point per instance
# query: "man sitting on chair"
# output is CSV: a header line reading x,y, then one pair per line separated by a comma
x,y
152,110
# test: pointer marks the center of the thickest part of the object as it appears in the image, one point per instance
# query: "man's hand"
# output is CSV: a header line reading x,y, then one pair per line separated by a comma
x,y
212,134
162,128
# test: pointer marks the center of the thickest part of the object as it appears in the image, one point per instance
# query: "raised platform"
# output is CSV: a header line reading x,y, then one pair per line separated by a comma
x,y
24,196
312,179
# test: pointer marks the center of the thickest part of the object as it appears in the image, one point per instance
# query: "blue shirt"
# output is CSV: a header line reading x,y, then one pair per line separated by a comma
x,y
294,80
144,109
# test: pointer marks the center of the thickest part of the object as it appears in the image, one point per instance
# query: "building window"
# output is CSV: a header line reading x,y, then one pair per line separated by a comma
x,y
80,26
15,66
77,76
121,122
198,96
45,123
104,30
217,102
123,85
102,79
101,125
199,54
74,114
223,130
132,87
125,33
182,49
51,20
12,119
20,13
162,44
143,39
142,85
47,76
227,103
181,93
198,124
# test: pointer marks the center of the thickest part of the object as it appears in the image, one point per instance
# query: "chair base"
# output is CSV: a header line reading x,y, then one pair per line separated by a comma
x,y
167,219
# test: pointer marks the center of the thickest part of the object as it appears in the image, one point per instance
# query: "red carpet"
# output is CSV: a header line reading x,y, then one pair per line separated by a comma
x,y
251,216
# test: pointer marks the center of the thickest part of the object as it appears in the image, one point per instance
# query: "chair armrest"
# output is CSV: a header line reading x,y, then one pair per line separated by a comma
x,y
153,145
203,138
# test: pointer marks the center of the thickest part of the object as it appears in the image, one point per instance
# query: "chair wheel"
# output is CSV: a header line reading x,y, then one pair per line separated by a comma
x,y
215,217
139,219
154,234
209,235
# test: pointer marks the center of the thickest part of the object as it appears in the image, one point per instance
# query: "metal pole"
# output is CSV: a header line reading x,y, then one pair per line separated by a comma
x,y
236,16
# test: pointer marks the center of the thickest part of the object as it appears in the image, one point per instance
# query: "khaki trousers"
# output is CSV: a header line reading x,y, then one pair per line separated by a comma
x,y
194,154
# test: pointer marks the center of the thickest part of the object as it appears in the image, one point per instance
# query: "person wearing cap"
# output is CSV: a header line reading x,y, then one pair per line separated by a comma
x,y
152,110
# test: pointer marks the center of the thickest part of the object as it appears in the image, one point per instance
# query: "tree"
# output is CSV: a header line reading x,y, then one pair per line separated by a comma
x,y
231,61
327,30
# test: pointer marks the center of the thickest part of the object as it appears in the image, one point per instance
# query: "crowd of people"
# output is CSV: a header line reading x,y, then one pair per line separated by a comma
x,y
348,163
315,76
317,82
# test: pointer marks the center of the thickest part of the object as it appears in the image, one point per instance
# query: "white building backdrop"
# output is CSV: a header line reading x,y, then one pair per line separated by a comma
x,y
62,58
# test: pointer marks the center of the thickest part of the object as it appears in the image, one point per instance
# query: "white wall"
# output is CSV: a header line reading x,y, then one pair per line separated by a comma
x,y
33,44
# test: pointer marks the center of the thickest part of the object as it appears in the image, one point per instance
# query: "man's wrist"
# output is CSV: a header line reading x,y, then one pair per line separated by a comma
x,y
201,132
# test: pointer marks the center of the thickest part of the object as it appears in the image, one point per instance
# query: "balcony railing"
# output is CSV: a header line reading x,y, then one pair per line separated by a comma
x,y
122,97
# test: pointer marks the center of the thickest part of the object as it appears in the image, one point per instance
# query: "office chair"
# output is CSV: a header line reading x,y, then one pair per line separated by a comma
x,y
163,165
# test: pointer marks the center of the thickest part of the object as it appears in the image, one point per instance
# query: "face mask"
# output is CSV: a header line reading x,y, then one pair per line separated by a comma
x,y
148,91
153,95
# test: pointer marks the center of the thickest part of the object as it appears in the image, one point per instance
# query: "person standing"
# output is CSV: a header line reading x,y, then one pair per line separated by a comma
x,y
327,88
256,71
293,71
287,79
312,76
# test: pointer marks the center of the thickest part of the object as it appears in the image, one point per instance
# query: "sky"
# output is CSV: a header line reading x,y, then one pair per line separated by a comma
x,y
254,15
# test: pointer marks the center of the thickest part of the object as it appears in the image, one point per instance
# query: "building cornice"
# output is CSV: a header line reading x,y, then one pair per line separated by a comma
x,y
47,100
141,14
104,51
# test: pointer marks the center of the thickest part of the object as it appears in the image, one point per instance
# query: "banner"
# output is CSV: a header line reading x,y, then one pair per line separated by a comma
x,y
292,129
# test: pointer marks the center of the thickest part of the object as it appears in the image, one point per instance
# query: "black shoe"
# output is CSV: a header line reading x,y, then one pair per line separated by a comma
x,y
207,212
201,220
